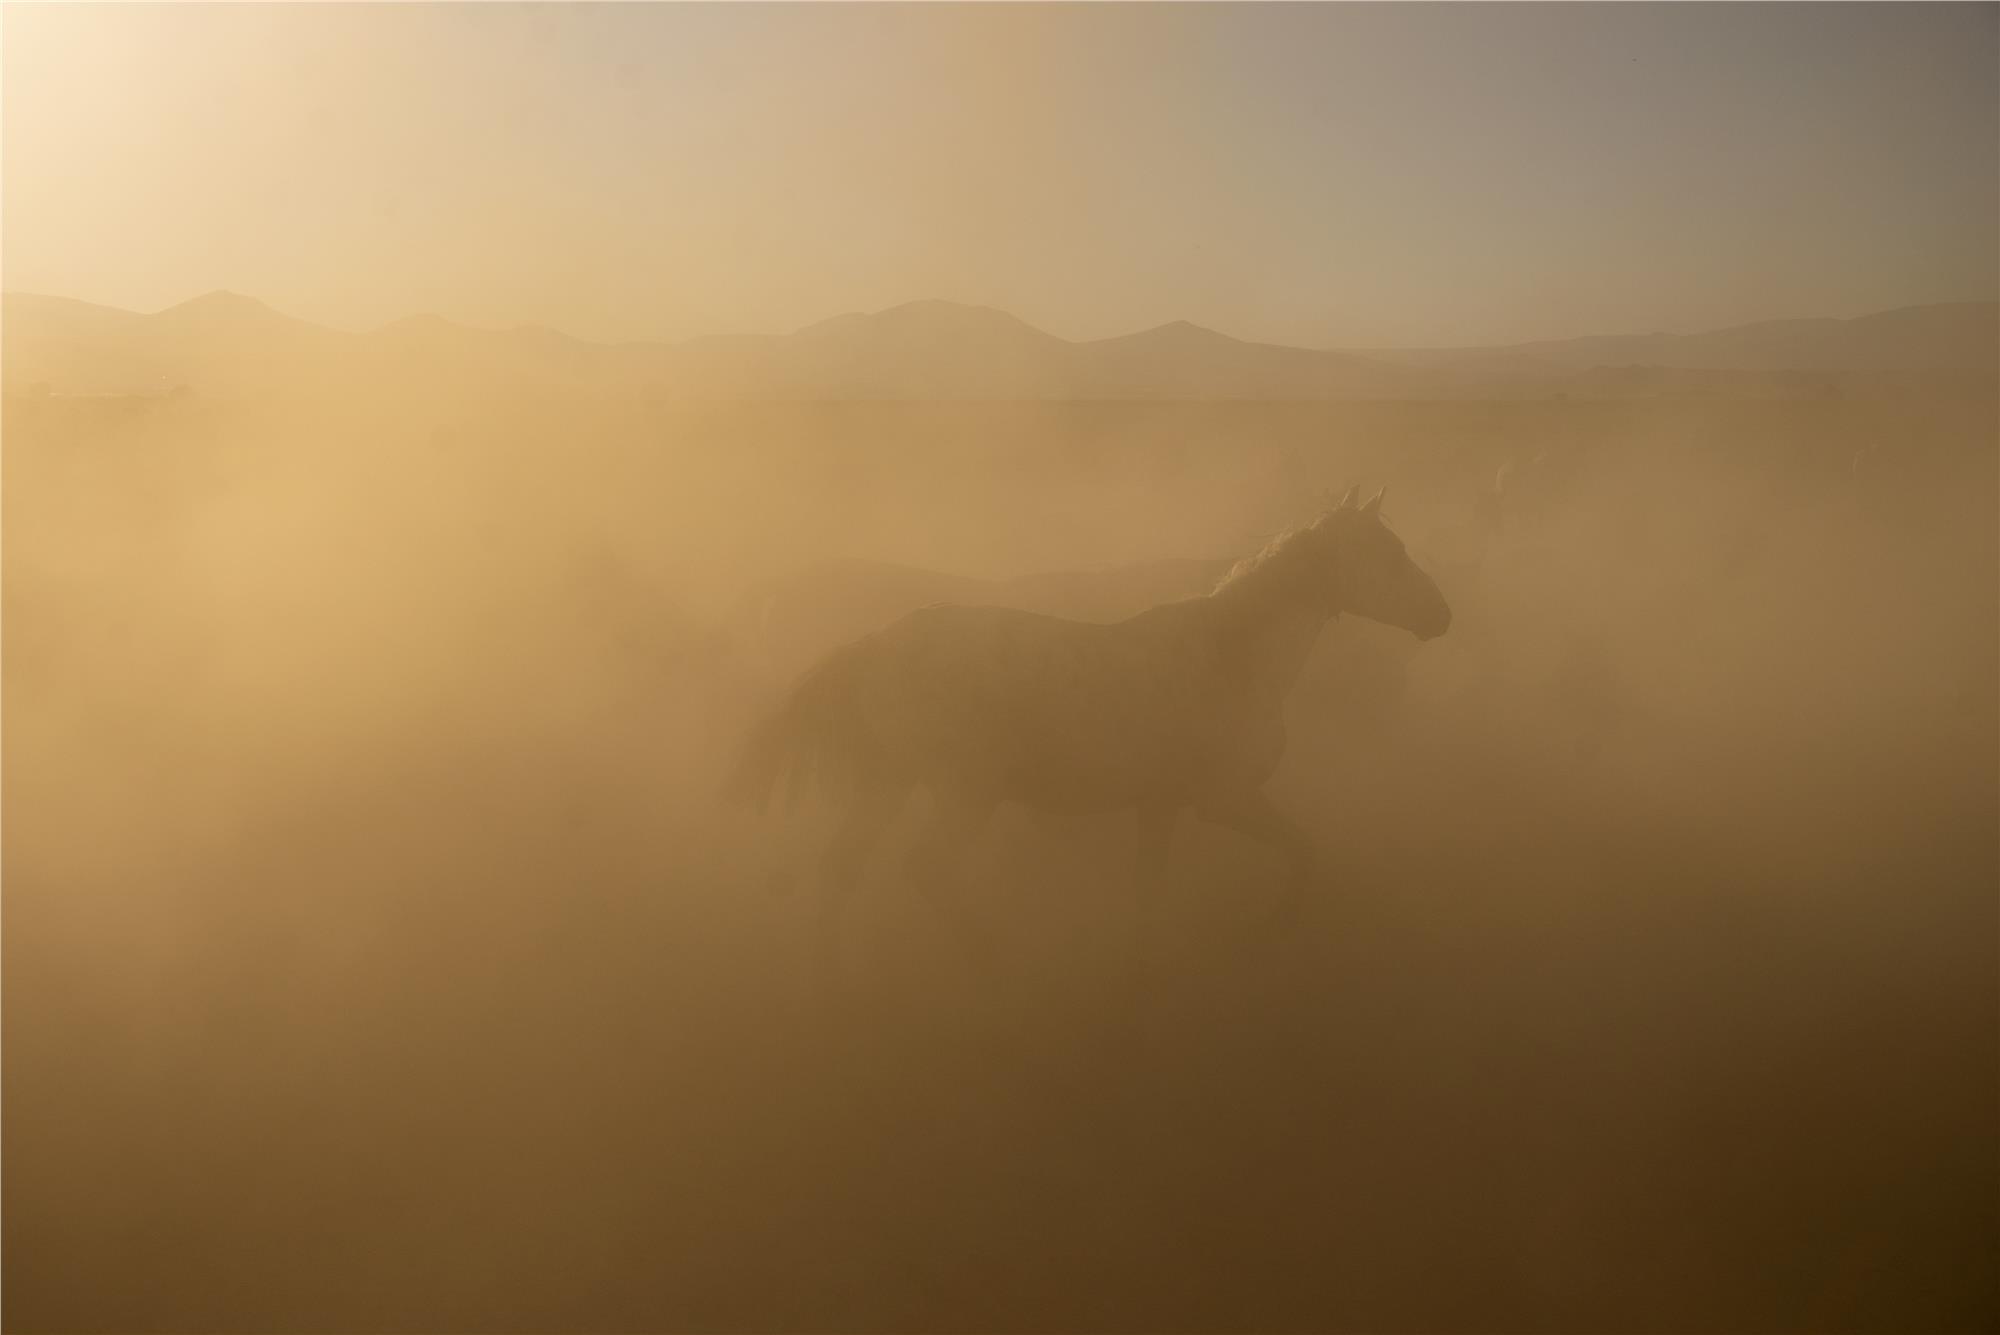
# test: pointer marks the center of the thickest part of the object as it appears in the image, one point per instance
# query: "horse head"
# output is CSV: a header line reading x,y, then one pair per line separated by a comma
x,y
1369,572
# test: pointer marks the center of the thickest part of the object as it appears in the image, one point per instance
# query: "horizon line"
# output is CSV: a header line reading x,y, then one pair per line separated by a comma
x,y
529,327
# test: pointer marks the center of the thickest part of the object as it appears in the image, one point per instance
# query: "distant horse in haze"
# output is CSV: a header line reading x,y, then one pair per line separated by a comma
x,y
1180,707
1534,496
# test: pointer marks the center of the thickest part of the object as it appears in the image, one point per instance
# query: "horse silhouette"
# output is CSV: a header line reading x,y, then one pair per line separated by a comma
x,y
1178,708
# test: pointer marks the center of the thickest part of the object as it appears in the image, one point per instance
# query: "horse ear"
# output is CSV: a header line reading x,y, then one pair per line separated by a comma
x,y
1347,501
1373,509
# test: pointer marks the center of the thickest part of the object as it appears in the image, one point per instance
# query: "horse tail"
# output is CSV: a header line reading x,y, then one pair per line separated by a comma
x,y
799,742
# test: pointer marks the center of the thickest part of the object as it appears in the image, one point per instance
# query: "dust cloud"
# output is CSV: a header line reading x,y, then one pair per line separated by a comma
x,y
378,955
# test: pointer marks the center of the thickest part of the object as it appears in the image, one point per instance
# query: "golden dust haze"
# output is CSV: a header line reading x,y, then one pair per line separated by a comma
x,y
380,952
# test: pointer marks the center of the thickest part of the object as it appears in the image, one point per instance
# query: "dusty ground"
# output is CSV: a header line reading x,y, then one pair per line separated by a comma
x,y
375,958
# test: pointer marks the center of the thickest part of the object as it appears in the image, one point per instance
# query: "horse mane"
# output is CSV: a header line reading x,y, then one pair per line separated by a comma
x,y
1279,562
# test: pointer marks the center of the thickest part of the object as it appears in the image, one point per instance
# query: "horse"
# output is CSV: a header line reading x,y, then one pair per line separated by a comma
x,y
1177,708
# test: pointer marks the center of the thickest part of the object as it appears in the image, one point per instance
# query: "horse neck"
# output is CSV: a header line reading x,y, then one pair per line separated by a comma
x,y
1266,629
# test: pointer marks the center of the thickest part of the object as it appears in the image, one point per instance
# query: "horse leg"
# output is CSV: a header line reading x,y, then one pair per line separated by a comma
x,y
841,866
955,824
1253,814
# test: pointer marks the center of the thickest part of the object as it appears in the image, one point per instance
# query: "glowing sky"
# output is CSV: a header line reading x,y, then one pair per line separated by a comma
x,y
1321,174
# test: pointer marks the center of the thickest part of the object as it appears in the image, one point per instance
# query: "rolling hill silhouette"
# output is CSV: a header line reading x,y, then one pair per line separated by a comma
x,y
227,344
1957,337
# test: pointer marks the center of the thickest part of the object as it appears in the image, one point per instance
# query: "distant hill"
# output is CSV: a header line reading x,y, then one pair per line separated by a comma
x,y
220,342
924,349
1957,337
1182,360
227,344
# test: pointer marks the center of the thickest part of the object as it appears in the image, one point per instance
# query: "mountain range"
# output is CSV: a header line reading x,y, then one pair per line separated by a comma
x,y
226,344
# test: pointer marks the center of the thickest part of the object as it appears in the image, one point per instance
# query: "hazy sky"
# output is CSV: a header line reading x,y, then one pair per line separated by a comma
x,y
1324,174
